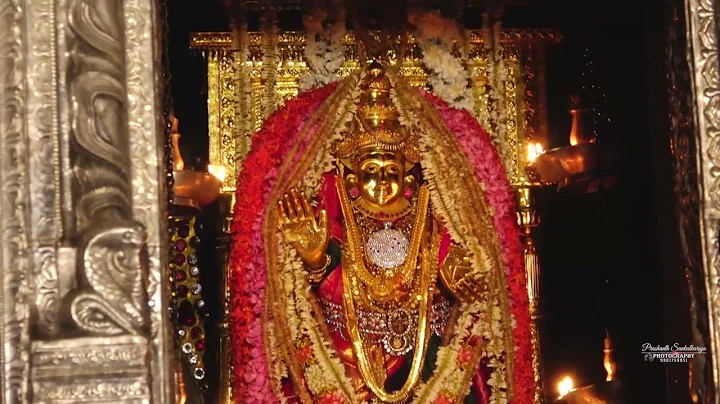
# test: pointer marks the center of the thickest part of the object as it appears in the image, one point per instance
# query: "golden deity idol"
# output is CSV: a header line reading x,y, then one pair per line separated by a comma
x,y
391,277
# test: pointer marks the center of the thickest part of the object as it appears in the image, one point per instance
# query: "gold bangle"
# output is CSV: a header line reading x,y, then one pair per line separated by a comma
x,y
316,275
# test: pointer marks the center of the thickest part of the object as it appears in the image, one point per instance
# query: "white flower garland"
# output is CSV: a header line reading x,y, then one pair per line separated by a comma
x,y
448,374
437,37
326,372
450,80
496,97
324,49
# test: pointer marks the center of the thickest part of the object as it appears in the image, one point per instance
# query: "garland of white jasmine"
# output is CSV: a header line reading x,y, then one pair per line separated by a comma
x,y
324,48
496,76
436,36
450,80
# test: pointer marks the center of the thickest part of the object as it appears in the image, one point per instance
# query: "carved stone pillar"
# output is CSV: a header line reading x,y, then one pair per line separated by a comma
x,y
82,224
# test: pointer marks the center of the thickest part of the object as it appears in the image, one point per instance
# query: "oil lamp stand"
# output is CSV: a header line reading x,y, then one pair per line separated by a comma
x,y
528,219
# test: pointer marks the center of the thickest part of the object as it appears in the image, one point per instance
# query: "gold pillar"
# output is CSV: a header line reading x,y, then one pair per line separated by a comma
x,y
226,202
528,219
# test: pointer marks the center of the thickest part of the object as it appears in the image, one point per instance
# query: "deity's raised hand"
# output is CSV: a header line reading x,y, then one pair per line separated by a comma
x,y
309,236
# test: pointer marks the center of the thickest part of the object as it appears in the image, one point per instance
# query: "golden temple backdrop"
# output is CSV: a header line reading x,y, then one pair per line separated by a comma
x,y
524,120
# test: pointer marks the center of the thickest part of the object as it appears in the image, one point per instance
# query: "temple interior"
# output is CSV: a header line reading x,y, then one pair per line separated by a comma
x,y
359,202
608,251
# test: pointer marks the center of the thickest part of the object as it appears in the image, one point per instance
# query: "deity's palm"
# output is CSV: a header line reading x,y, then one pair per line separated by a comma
x,y
310,237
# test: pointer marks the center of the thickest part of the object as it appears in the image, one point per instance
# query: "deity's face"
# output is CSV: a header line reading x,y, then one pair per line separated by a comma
x,y
379,176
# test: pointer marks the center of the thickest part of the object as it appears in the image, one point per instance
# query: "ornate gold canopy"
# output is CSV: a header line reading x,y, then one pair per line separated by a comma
x,y
524,88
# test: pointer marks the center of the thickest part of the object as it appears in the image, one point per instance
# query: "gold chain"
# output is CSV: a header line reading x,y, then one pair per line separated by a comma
x,y
353,262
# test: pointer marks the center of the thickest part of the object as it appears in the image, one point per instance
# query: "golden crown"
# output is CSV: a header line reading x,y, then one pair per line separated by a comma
x,y
376,124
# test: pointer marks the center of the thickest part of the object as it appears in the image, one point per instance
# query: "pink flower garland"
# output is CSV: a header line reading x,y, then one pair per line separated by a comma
x,y
490,170
248,269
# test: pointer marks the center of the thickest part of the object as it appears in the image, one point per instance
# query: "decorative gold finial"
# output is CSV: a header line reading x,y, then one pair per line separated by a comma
x,y
376,123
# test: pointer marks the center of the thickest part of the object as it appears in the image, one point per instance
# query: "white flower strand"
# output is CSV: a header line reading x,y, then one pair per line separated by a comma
x,y
495,89
448,375
437,37
324,48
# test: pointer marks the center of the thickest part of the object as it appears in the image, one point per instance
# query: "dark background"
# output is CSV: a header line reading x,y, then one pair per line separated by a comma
x,y
607,258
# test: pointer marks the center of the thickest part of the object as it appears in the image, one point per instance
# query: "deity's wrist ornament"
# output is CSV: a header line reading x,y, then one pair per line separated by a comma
x,y
317,275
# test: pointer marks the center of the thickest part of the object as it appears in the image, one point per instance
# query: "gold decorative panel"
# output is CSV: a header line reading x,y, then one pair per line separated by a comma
x,y
221,113
524,120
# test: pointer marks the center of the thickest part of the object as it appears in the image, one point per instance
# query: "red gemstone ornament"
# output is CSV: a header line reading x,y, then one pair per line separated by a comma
x,y
180,245
354,193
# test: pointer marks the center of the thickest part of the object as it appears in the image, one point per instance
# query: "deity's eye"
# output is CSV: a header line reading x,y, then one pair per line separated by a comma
x,y
393,169
371,168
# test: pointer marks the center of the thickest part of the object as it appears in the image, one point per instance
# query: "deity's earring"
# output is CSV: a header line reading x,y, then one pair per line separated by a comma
x,y
409,187
351,185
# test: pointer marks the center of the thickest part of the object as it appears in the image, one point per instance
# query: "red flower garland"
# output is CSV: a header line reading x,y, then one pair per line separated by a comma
x,y
270,147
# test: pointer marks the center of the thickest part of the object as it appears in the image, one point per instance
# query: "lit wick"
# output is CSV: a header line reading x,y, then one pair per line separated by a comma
x,y
566,386
533,151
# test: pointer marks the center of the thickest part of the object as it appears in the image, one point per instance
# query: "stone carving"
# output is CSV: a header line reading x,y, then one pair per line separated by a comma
x,y
142,56
91,370
47,292
42,118
99,130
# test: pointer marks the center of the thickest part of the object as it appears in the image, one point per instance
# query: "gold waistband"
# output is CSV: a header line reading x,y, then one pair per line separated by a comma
x,y
377,327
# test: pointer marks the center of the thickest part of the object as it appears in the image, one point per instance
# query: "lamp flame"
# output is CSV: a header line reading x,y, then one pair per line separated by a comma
x,y
178,163
573,139
533,151
608,361
217,171
566,386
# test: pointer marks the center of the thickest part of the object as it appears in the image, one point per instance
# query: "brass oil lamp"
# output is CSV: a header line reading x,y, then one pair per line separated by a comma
x,y
583,165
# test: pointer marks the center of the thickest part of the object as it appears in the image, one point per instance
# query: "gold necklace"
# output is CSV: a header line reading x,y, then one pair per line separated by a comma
x,y
362,208
379,289
353,263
